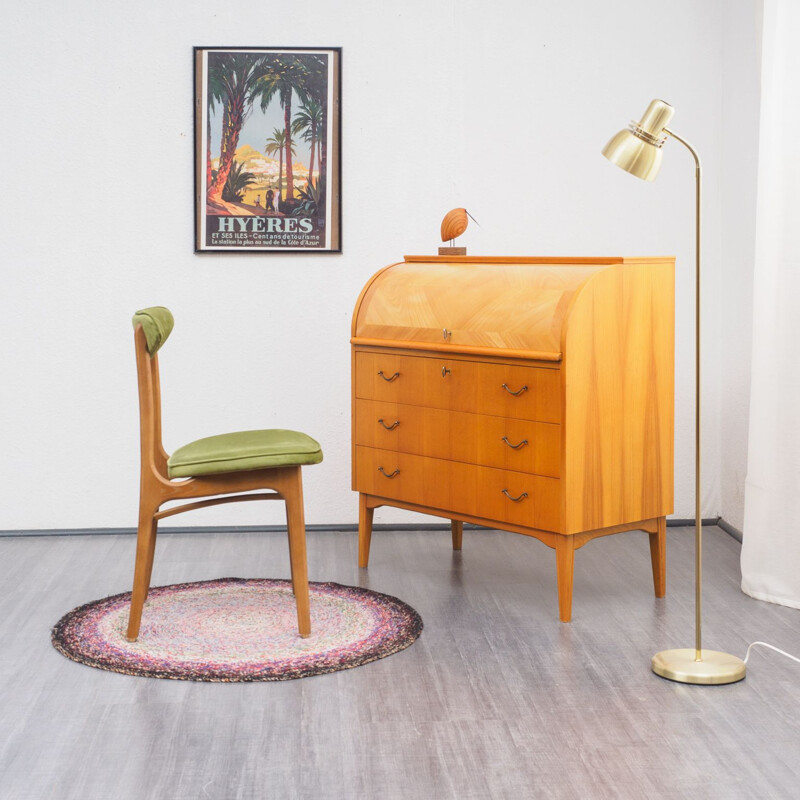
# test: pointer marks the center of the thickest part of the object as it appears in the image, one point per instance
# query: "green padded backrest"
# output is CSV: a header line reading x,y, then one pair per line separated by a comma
x,y
157,323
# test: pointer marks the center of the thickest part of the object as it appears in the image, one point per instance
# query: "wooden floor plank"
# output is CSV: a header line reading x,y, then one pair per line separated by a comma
x,y
497,699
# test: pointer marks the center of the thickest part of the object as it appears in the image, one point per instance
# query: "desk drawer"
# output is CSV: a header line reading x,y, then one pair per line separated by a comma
x,y
513,444
517,392
492,494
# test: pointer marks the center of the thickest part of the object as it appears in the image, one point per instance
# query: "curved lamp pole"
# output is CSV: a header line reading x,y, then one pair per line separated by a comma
x,y
638,150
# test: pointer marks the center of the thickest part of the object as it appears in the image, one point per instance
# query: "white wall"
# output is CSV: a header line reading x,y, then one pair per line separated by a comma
x,y
501,108
740,111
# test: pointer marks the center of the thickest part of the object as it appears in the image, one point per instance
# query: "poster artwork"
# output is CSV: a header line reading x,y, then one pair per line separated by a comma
x,y
267,127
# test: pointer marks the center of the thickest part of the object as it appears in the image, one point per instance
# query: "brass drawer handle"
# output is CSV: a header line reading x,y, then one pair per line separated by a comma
x,y
382,470
445,372
516,394
389,380
515,446
446,334
390,427
515,499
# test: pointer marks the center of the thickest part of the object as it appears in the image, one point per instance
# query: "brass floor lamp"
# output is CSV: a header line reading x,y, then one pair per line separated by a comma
x,y
638,151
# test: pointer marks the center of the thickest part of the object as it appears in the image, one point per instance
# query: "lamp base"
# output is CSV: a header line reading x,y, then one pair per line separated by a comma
x,y
714,668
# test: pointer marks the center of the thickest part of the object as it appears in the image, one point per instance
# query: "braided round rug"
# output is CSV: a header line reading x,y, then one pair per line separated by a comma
x,y
236,629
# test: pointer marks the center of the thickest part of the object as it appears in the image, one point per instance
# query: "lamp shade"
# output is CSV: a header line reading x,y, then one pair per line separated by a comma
x,y
638,148
634,155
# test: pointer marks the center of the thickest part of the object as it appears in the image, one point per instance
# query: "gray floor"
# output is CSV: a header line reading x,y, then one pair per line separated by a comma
x,y
496,699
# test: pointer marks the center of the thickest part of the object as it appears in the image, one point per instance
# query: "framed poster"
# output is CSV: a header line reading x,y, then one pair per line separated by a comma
x,y
267,154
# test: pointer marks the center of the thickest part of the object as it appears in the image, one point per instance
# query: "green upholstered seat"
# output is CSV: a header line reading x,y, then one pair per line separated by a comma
x,y
157,323
233,452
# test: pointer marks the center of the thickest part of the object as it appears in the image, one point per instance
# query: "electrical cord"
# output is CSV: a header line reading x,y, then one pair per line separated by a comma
x,y
771,647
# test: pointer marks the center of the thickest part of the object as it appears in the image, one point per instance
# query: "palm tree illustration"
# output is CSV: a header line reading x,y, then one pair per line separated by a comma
x,y
216,94
307,123
239,77
277,144
286,78
316,88
237,183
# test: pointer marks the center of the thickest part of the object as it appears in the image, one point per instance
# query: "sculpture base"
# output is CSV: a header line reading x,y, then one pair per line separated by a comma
x,y
452,251
714,668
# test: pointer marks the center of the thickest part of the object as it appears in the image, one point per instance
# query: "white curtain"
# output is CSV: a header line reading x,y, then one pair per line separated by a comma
x,y
771,546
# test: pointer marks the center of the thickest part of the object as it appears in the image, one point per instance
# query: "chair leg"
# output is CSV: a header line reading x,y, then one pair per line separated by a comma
x,y
565,562
289,540
457,531
145,551
365,515
297,550
658,557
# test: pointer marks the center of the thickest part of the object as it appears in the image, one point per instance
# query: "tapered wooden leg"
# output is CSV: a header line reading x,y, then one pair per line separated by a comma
x,y
289,539
658,557
365,515
457,530
297,551
151,551
565,561
145,551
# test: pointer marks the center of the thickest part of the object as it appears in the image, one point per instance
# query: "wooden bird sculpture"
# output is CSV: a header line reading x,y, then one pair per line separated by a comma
x,y
454,224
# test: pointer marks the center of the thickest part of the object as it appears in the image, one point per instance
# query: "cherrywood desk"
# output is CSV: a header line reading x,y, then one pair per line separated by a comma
x,y
534,395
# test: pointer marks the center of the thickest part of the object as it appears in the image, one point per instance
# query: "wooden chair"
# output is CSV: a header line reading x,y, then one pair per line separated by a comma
x,y
218,465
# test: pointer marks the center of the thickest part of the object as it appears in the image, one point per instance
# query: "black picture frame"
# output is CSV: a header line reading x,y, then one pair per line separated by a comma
x,y
267,149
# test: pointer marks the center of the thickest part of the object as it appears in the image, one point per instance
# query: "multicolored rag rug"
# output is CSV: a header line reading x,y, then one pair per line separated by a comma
x,y
234,629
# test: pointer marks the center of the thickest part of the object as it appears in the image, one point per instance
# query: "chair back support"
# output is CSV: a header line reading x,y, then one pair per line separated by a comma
x,y
158,323
152,327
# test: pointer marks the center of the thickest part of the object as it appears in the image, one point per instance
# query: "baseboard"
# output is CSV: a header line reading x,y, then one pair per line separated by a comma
x,y
730,530
676,522
344,528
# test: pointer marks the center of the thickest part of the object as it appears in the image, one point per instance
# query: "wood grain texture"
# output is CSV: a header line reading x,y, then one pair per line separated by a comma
x,y
619,367
436,424
495,700
479,387
453,486
505,443
520,307
547,260
565,568
365,515
434,347
658,557
454,223
457,533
